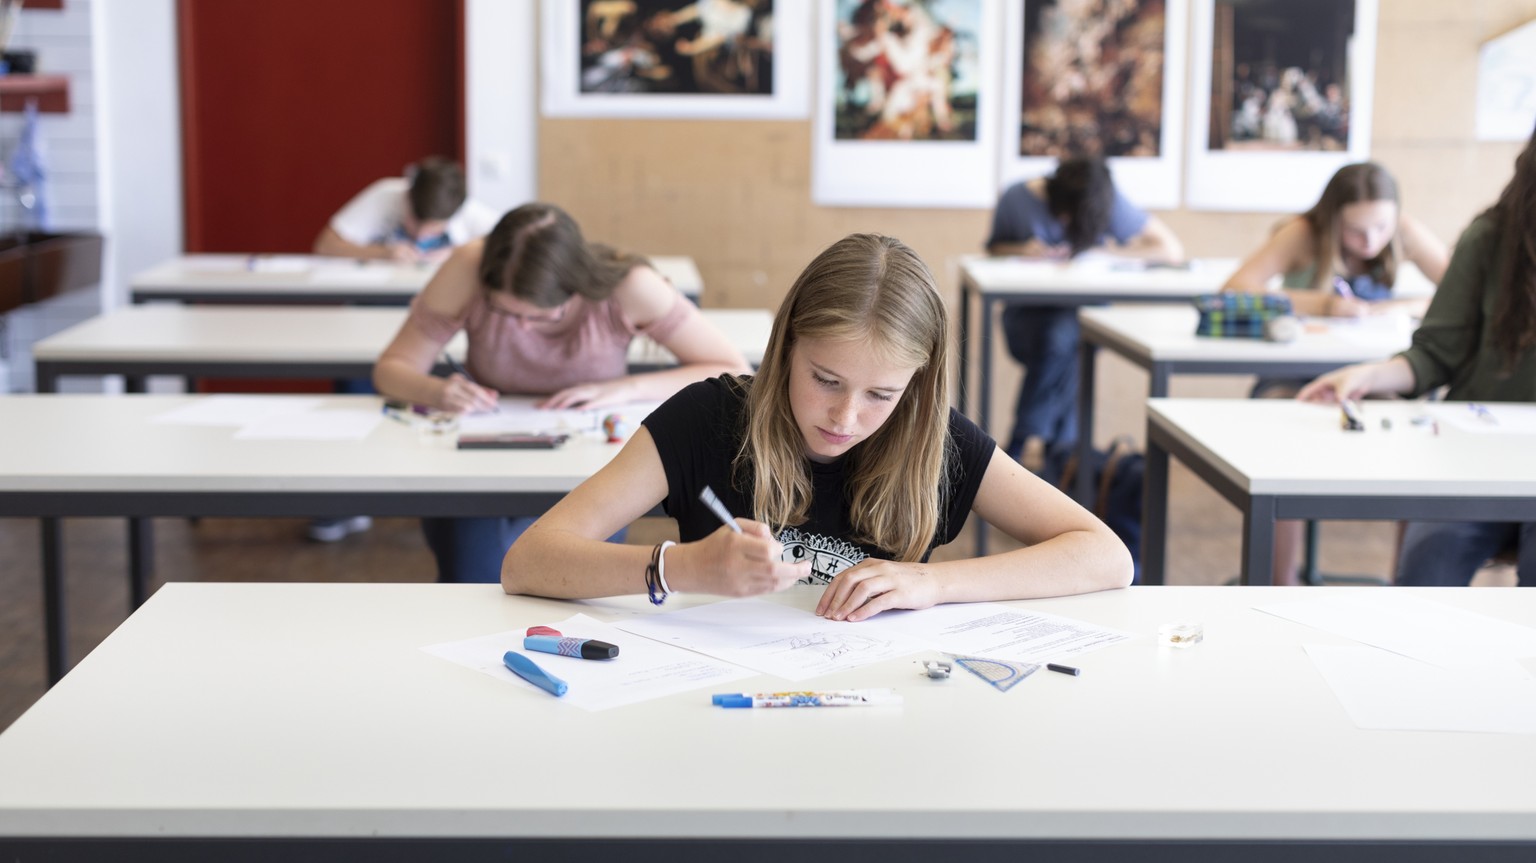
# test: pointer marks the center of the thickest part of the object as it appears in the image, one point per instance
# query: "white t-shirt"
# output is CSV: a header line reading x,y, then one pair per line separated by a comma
x,y
373,216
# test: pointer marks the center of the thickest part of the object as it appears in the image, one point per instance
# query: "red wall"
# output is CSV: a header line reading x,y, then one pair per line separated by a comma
x,y
289,107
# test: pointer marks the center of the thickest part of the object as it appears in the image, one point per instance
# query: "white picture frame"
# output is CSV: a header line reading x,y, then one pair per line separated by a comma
x,y
907,173
1506,86
1263,181
1150,182
560,63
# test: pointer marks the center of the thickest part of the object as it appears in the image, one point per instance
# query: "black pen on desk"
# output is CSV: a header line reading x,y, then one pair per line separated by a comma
x,y
1063,669
457,368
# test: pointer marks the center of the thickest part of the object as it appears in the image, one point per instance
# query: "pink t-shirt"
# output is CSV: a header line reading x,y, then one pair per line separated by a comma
x,y
590,343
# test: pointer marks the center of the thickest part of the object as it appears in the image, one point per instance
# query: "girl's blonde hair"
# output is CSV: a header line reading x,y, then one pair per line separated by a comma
x,y
1351,184
874,290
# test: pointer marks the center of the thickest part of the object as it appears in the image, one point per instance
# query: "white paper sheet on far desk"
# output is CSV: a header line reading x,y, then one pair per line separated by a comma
x,y
1403,623
236,410
518,414
343,424
1486,417
1384,690
643,669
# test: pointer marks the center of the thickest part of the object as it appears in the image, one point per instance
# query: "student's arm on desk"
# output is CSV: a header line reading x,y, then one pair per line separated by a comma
x,y
331,243
565,553
1067,551
1358,381
404,369
702,351
1287,249
1156,243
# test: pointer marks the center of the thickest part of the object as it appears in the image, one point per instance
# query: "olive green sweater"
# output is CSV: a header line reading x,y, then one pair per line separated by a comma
x,y
1454,345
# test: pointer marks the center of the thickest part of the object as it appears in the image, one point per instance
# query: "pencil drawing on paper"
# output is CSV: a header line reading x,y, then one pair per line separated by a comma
x,y
825,646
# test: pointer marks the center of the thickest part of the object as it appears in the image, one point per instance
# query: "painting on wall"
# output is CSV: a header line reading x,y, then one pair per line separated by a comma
x,y
1281,99
1506,86
908,71
905,112
656,59
1097,78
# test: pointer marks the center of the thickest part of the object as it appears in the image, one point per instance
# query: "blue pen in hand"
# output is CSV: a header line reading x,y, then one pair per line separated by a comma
x,y
525,668
718,508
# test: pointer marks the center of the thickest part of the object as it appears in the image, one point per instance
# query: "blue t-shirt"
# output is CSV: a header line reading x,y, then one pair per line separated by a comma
x,y
1020,216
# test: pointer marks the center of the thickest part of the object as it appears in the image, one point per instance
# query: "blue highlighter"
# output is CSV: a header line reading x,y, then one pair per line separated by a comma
x,y
525,668
547,640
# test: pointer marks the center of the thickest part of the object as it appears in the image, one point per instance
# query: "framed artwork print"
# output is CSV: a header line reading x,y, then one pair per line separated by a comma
x,y
1103,79
1281,99
661,59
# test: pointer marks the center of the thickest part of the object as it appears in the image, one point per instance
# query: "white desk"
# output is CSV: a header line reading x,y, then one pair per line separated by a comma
x,y
1280,459
303,279
67,456
1018,282
296,342
1162,340
226,715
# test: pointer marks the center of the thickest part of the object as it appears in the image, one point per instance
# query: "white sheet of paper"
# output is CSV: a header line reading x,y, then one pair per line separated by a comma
x,y
518,414
216,263
1412,626
281,263
998,631
1501,417
313,425
1385,690
775,639
1392,331
351,273
236,410
643,670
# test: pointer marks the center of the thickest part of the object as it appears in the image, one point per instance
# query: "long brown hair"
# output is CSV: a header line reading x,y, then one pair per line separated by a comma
x,y
1514,325
1351,184
874,290
536,253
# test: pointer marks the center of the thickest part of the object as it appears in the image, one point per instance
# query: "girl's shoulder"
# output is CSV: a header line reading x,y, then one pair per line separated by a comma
x,y
456,283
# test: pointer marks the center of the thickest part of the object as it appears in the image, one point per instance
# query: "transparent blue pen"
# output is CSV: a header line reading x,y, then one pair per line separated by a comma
x,y
1483,413
718,508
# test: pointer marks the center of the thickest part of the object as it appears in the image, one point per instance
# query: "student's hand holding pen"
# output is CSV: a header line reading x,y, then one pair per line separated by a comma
x,y
872,586
728,563
461,395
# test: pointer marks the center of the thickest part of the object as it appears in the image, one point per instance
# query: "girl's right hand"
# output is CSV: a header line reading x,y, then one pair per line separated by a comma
x,y
1350,382
1348,307
461,395
727,563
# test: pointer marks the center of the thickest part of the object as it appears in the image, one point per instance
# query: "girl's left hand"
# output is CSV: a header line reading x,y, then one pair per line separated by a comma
x,y
872,586
593,395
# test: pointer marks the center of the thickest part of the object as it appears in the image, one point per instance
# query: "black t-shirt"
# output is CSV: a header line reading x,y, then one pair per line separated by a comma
x,y
698,433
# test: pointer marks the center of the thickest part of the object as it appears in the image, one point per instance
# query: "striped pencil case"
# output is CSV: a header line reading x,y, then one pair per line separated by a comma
x,y
1239,316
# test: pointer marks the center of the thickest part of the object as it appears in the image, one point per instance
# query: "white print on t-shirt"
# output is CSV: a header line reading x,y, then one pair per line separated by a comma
x,y
828,555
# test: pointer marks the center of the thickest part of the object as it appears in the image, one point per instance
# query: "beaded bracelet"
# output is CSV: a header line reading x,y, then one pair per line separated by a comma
x,y
661,568
653,586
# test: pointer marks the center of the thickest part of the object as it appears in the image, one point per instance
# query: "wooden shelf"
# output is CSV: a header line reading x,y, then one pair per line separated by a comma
x,y
50,91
